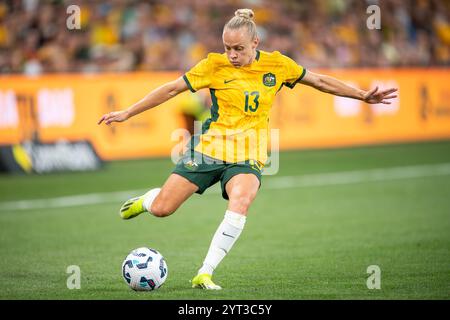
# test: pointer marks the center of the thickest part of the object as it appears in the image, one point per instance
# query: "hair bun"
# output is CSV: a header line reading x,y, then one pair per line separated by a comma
x,y
245,13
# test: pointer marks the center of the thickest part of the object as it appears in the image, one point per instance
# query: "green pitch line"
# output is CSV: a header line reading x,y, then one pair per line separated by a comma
x,y
282,182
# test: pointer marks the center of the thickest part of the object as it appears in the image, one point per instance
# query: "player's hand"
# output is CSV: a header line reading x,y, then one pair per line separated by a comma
x,y
116,116
374,96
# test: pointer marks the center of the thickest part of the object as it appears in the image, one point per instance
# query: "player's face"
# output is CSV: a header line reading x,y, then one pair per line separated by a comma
x,y
239,46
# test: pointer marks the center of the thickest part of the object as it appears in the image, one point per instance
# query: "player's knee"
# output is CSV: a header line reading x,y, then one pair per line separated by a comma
x,y
241,201
160,209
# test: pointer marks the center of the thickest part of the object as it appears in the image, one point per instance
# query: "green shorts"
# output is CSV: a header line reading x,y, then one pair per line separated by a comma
x,y
204,171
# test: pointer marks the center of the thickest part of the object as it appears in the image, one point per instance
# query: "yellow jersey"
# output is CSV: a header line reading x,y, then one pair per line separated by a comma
x,y
237,130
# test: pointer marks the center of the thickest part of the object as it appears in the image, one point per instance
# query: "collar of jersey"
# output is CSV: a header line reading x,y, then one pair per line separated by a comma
x,y
258,55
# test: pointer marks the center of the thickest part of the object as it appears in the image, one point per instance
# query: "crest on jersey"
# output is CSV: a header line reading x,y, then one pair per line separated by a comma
x,y
269,80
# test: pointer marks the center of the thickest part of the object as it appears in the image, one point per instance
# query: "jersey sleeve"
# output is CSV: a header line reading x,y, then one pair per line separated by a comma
x,y
293,72
200,75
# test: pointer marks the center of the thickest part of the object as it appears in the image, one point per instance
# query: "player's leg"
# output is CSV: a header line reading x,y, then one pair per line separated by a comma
x,y
241,190
174,192
160,202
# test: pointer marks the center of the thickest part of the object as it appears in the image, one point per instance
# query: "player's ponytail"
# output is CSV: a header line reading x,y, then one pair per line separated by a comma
x,y
243,18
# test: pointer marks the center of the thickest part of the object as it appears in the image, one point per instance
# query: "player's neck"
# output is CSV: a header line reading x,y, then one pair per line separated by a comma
x,y
253,59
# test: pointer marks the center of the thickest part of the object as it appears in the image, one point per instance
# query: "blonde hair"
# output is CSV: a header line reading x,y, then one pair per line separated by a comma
x,y
243,18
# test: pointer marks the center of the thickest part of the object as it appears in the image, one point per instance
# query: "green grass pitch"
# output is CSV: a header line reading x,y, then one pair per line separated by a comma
x,y
300,241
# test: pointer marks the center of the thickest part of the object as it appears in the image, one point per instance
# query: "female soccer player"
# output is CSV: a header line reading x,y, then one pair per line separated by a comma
x,y
243,82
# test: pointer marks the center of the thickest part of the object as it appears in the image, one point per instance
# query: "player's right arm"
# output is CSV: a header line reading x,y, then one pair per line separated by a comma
x,y
153,99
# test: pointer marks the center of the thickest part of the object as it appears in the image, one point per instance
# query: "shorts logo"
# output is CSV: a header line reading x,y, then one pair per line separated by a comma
x,y
191,165
254,165
269,80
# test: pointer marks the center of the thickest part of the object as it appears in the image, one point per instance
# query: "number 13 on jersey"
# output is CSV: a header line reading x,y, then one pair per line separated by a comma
x,y
252,107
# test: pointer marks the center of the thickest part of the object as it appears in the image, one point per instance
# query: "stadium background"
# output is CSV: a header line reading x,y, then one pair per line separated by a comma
x,y
351,195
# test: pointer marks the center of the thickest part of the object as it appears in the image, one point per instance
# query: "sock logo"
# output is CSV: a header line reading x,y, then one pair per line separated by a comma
x,y
227,235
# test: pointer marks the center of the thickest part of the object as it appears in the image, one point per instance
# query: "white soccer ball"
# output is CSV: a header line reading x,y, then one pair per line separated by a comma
x,y
144,269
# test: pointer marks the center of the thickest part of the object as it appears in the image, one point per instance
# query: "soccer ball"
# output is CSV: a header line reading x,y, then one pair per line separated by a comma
x,y
144,269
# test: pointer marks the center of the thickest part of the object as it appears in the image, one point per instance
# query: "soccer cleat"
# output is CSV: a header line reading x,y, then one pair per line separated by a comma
x,y
203,281
132,208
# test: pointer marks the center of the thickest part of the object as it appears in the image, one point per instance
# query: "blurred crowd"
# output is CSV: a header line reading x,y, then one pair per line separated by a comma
x,y
128,35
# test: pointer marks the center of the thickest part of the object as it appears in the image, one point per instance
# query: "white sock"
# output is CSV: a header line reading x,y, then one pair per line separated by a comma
x,y
149,197
226,235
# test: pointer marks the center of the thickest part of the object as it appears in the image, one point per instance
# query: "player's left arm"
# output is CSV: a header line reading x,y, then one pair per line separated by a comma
x,y
334,86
